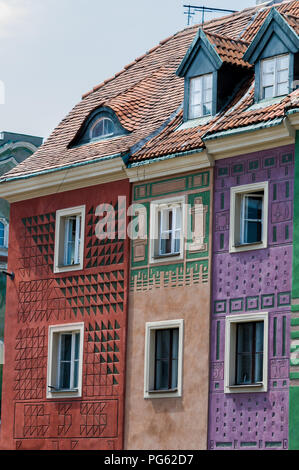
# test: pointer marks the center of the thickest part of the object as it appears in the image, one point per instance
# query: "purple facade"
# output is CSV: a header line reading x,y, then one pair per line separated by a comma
x,y
250,282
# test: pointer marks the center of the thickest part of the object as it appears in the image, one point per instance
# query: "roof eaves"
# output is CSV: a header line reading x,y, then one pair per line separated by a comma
x,y
4,179
165,157
241,130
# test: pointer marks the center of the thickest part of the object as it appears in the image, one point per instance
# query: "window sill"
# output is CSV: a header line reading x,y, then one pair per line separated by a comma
x,y
63,393
257,387
167,255
69,267
248,246
169,390
171,393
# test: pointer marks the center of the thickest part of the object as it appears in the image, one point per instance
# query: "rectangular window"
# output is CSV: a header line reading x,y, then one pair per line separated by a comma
x,y
72,240
249,354
252,217
275,76
163,359
167,229
170,225
200,96
246,352
249,217
166,359
65,360
69,236
68,361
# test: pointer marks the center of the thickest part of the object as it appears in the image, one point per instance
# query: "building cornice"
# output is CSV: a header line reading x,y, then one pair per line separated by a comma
x,y
170,164
66,179
251,139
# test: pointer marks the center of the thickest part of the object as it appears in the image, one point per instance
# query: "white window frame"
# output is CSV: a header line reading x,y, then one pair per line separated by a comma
x,y
54,341
230,353
275,78
149,362
6,231
155,232
202,97
60,239
236,217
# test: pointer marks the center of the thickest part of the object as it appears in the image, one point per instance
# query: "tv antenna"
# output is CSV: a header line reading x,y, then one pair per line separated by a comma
x,y
191,10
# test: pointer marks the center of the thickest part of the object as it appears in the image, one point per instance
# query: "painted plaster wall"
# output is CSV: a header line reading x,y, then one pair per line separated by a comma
x,y
168,291
253,281
294,333
37,298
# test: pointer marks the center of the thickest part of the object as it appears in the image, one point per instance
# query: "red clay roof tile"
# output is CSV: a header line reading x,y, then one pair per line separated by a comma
x,y
147,97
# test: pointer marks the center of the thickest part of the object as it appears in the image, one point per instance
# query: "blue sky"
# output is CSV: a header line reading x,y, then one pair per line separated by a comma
x,y
53,51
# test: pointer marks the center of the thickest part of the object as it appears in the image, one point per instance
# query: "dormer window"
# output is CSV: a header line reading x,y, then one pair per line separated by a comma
x,y
101,124
275,76
200,103
103,127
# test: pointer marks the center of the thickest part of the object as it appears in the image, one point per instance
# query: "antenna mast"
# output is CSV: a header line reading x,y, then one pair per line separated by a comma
x,y
191,10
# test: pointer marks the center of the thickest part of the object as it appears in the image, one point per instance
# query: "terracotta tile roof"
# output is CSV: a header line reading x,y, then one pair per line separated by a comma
x,y
147,96
230,50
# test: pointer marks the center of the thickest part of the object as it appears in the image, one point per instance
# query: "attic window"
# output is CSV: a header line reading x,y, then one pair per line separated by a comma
x,y
103,127
275,76
200,96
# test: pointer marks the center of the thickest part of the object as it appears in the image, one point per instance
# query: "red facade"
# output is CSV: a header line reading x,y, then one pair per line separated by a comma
x,y
38,298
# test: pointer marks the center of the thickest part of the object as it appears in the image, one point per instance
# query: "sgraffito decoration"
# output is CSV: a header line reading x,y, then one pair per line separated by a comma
x,y
96,295
250,282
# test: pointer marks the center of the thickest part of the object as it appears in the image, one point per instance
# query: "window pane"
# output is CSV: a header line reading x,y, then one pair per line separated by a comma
x,y
70,235
195,112
283,76
268,92
163,344
195,84
66,347
208,96
166,359
195,99
76,370
253,232
77,345
245,336
162,359
207,109
283,62
253,207
177,244
259,340
244,369
258,376
65,375
268,79
283,89
175,343
98,129
208,80
268,66
178,218
162,375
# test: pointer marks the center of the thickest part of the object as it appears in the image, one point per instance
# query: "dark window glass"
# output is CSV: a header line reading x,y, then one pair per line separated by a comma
x,y
166,359
252,218
250,352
